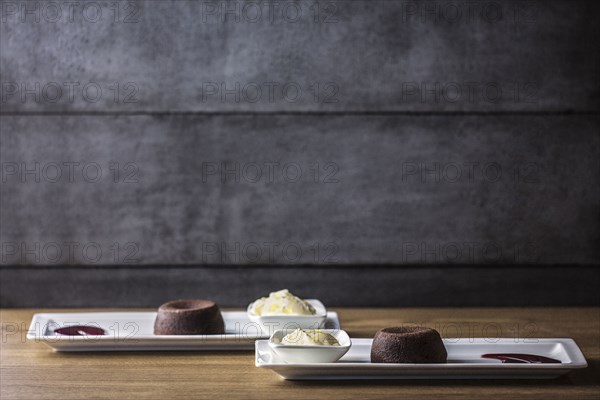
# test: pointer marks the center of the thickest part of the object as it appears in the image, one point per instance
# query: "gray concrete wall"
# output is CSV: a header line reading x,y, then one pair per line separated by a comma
x,y
388,141
354,55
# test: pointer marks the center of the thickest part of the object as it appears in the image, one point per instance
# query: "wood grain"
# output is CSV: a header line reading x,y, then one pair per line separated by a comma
x,y
32,371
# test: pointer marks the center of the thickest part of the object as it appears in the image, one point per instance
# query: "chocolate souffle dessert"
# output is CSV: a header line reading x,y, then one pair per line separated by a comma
x,y
411,345
189,317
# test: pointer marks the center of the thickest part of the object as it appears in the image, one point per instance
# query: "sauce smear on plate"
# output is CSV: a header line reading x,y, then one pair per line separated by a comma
x,y
80,330
515,358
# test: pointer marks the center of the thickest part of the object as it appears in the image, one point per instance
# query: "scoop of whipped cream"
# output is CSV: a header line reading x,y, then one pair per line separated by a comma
x,y
309,337
282,303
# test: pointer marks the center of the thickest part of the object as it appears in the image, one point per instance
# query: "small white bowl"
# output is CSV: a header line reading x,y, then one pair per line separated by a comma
x,y
271,323
303,354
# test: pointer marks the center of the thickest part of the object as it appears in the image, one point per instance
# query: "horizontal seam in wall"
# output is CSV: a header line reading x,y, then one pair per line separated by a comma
x,y
481,267
299,113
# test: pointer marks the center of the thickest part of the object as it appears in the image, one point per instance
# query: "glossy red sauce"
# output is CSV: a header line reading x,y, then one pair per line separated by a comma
x,y
514,358
80,330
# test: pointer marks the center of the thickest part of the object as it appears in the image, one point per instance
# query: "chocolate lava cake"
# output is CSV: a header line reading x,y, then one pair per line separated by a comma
x,y
189,317
414,345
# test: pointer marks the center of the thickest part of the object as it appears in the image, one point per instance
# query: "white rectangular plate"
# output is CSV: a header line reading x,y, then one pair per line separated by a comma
x,y
464,362
134,331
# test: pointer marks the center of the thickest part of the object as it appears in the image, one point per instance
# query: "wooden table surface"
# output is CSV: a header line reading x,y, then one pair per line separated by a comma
x,y
33,371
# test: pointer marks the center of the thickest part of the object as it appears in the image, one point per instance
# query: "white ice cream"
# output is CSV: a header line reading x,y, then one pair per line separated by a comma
x,y
309,337
281,303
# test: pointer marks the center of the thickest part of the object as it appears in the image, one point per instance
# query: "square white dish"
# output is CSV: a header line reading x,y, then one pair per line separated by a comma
x,y
464,362
271,323
302,353
129,331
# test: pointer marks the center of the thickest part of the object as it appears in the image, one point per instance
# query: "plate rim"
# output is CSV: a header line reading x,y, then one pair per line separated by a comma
x,y
577,358
41,317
